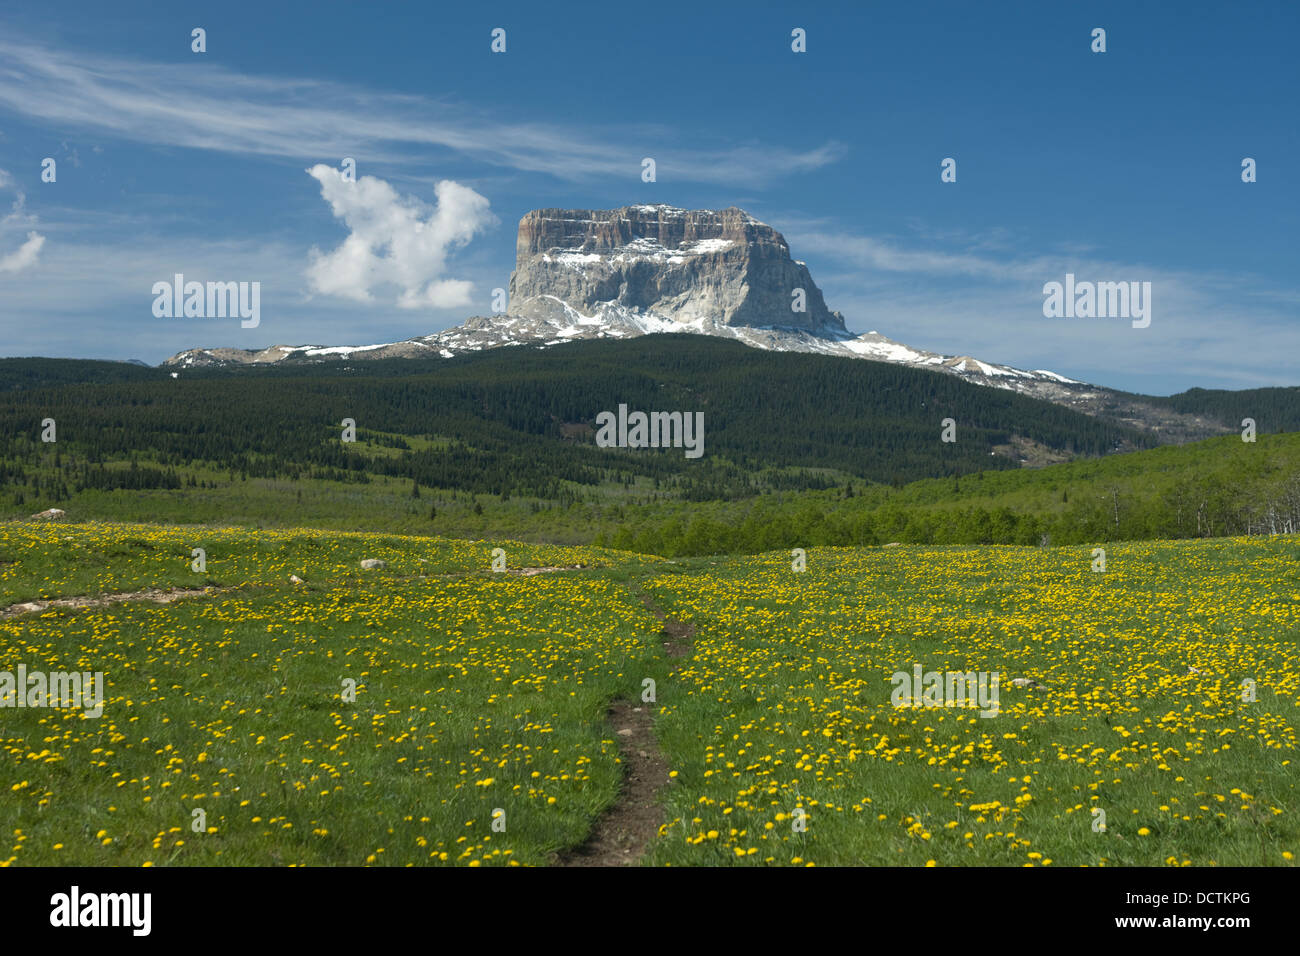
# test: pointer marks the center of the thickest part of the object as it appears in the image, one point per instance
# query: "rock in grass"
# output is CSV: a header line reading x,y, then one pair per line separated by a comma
x,y
372,564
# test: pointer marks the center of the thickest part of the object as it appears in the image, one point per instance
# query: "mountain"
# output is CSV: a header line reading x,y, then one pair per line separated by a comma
x,y
637,270
503,442
672,269
520,423
620,273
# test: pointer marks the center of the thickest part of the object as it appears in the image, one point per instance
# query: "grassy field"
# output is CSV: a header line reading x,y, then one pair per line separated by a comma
x,y
478,691
1214,488
787,703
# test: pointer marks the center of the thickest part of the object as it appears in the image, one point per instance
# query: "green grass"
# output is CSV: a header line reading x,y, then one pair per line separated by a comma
x,y
1218,487
787,704
477,691
474,691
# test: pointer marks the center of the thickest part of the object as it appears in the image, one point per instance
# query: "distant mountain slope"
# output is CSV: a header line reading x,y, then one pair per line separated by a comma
x,y
641,270
797,448
44,372
1218,487
1272,409
522,421
638,270
1188,416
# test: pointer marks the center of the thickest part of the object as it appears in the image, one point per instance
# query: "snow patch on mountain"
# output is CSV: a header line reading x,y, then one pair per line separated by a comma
x,y
646,269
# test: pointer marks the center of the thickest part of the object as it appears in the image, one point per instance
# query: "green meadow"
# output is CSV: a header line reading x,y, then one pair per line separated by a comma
x,y
438,712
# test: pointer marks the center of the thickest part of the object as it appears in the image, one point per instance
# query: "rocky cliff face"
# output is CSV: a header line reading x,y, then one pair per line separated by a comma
x,y
620,273
680,267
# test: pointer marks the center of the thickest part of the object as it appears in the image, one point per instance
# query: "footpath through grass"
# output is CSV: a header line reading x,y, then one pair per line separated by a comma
x,y
474,692
478,691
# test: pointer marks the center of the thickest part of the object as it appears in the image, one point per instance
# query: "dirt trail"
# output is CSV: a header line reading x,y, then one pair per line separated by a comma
x,y
679,637
518,572
157,595
167,595
624,831
529,572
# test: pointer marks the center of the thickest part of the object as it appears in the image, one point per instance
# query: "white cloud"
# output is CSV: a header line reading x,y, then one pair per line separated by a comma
x,y
874,253
206,106
396,240
16,221
93,298
25,255
1214,329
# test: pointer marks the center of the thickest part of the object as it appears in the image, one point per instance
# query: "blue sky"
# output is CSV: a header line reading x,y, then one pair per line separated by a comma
x,y
1116,166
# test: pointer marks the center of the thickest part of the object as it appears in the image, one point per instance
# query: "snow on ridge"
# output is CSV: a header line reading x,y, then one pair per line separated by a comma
x,y
1057,377
705,246
574,260
890,351
613,320
343,349
663,210
642,247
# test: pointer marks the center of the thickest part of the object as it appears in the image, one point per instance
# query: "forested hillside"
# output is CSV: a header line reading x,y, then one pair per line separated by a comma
x,y
797,448
1216,488
519,421
1276,409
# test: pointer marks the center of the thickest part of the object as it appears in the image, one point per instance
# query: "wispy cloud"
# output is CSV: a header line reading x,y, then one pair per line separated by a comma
x,y
103,304
890,256
25,255
1209,328
202,106
14,222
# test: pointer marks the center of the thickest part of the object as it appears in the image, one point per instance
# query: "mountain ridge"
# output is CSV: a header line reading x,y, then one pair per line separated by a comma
x,y
642,269
646,269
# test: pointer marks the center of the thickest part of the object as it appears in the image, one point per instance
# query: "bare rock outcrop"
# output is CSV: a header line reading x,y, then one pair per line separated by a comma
x,y
676,266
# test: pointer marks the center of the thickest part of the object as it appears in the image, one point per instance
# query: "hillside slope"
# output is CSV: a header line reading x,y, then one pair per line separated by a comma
x,y
523,421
